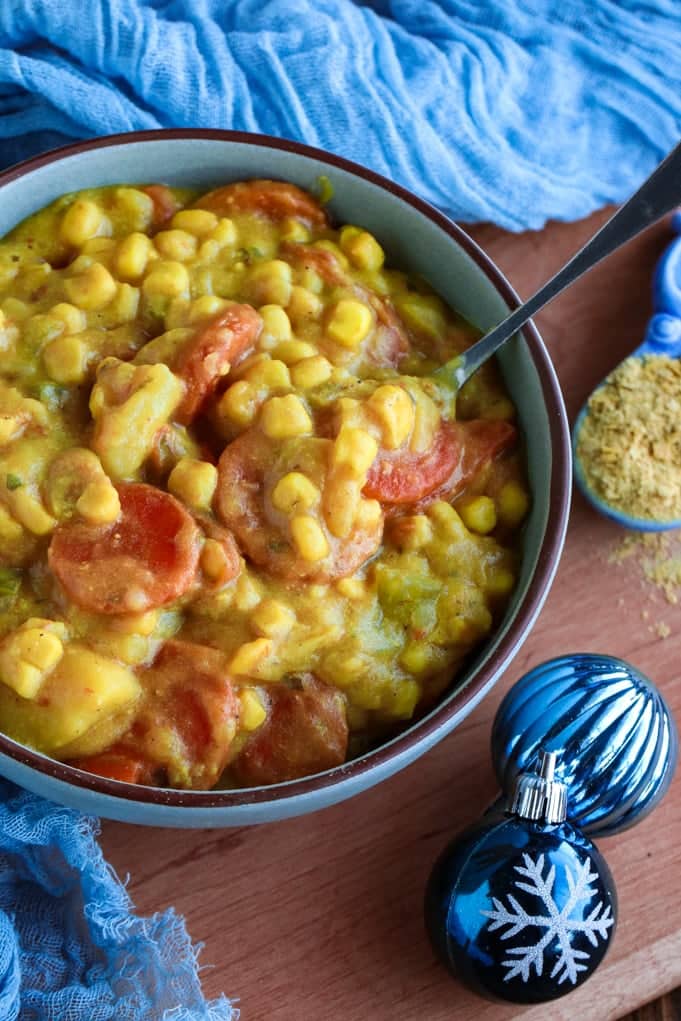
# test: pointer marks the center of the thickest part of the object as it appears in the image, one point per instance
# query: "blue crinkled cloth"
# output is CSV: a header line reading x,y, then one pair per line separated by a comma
x,y
513,111
70,947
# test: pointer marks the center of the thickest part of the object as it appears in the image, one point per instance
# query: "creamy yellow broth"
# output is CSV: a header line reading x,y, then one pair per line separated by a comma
x,y
379,601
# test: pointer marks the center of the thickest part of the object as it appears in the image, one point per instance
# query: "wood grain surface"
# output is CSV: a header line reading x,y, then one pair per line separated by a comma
x,y
319,918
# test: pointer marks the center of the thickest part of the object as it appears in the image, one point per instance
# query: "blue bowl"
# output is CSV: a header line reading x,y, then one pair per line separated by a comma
x,y
419,239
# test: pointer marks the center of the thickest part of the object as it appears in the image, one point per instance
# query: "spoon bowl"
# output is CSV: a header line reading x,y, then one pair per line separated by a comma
x,y
663,337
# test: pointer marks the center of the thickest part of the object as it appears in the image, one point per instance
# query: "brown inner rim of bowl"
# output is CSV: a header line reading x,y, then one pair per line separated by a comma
x,y
555,526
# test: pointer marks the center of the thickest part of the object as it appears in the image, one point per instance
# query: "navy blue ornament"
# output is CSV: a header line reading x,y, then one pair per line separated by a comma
x,y
522,907
615,735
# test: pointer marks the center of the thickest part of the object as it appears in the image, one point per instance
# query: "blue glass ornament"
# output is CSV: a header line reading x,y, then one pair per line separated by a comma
x,y
616,737
522,907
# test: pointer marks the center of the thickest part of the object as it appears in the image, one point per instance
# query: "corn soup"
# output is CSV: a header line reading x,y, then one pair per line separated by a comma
x,y
243,535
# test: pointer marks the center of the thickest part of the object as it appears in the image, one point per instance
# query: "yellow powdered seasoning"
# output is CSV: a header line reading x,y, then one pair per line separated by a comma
x,y
630,442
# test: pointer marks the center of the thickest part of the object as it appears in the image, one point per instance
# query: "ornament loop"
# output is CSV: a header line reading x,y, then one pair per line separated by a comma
x,y
538,795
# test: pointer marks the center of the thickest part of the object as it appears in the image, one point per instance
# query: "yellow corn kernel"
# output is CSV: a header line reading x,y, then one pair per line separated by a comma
x,y
166,279
276,325
41,329
123,309
65,359
194,482
309,538
247,594
28,656
213,559
513,503
351,588
272,619
136,207
205,307
331,246
423,313
350,323
294,492
447,520
294,230
135,623
16,310
293,351
414,532
176,244
400,702
368,514
133,256
99,502
479,514
426,422
240,403
283,417
362,249
500,582
92,289
311,372
74,319
83,220
225,233
209,250
95,246
394,410
271,373
311,280
81,263
342,495
354,449
269,283
417,657
199,222
30,513
252,713
247,657
303,305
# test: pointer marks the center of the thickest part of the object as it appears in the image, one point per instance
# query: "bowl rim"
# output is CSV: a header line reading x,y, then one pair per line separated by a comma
x,y
435,724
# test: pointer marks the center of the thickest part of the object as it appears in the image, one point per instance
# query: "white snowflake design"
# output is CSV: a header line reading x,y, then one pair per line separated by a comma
x,y
557,923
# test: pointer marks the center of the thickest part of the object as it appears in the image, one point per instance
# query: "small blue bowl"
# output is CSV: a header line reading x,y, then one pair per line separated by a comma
x,y
663,337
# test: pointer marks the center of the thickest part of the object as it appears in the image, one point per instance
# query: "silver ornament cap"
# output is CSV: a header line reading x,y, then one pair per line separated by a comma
x,y
539,796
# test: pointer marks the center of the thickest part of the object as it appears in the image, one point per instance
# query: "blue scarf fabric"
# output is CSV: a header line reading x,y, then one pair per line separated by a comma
x,y
514,111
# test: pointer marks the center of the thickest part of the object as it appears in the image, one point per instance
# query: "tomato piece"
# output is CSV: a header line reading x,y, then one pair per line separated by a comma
x,y
191,715
165,203
146,558
306,732
248,470
275,199
458,452
116,764
207,357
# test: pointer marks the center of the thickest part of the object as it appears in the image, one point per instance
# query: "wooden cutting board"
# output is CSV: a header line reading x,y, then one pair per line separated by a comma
x,y
319,918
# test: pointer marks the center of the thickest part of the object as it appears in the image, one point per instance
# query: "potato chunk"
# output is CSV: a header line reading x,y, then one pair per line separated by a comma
x,y
84,691
129,404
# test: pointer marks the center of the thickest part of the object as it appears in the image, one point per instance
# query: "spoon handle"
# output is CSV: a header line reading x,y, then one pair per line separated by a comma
x,y
656,196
